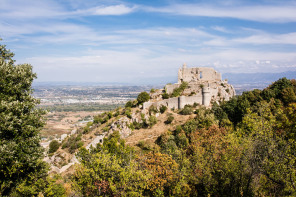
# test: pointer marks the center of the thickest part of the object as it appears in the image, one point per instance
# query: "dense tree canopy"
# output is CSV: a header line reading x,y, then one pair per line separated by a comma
x,y
243,147
20,150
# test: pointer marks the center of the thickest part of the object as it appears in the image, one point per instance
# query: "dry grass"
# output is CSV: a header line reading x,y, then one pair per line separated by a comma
x,y
149,135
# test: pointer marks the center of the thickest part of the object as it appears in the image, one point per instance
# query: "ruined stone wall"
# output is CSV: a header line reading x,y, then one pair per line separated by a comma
x,y
200,74
176,102
190,100
170,103
170,88
204,86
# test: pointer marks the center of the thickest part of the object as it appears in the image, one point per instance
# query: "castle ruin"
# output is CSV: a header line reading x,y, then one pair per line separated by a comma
x,y
204,86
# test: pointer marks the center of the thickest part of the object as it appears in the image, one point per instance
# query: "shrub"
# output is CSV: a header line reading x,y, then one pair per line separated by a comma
x,y
110,115
143,97
178,91
131,126
169,120
129,104
143,145
163,108
192,93
152,121
53,146
116,113
152,90
86,130
165,95
178,129
153,109
187,110
128,112
137,125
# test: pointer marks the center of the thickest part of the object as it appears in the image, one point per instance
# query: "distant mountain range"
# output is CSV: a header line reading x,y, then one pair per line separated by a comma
x,y
257,78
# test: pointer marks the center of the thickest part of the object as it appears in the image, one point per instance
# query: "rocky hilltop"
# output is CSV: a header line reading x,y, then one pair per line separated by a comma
x,y
141,122
199,85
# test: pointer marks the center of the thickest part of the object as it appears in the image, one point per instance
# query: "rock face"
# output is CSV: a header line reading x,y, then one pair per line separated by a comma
x,y
121,125
205,85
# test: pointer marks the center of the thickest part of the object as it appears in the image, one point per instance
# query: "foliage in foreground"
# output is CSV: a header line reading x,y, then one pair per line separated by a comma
x,y
20,150
244,147
22,170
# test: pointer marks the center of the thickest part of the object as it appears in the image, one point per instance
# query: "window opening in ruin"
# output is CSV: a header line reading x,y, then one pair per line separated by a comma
x,y
200,76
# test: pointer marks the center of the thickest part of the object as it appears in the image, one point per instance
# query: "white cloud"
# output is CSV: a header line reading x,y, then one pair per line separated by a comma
x,y
45,9
221,29
30,9
266,38
128,65
266,13
109,10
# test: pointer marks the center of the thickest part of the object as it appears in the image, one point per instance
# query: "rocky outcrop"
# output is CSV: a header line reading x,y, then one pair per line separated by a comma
x,y
121,125
204,86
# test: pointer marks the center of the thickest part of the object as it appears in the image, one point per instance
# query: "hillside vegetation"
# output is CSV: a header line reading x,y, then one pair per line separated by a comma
x,y
243,147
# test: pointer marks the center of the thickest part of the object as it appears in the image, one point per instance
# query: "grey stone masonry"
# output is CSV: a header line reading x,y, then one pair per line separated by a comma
x,y
205,85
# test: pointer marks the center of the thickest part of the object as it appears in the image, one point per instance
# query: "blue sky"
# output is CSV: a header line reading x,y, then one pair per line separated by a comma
x,y
131,41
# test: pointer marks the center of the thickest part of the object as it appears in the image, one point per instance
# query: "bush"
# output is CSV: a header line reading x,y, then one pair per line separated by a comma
x,y
110,115
128,112
165,95
53,146
192,93
86,130
178,91
137,125
143,145
152,121
153,110
178,129
163,108
195,104
169,120
143,97
187,110
129,104
98,119
152,90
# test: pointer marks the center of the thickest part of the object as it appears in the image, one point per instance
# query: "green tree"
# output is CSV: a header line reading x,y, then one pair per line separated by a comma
x,y
270,154
53,146
110,170
143,97
6,54
20,150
